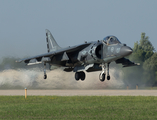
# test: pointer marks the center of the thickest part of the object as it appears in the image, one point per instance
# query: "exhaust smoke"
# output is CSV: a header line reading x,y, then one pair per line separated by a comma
x,y
57,79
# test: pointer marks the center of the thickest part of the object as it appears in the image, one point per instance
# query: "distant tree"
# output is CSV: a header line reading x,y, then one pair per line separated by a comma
x,y
145,44
142,50
150,67
145,74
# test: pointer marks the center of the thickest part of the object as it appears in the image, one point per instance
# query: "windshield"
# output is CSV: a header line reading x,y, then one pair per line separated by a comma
x,y
111,40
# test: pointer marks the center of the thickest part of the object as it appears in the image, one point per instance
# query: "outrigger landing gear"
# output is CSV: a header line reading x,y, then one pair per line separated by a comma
x,y
45,76
103,73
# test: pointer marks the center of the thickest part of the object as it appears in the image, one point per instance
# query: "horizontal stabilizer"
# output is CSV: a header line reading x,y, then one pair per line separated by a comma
x,y
126,62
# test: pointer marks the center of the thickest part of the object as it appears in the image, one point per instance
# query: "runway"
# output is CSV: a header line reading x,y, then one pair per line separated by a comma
x,y
79,92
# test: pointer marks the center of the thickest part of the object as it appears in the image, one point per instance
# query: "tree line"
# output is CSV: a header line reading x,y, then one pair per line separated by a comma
x,y
145,54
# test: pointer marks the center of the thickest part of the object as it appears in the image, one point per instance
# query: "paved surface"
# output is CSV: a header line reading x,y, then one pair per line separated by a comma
x,y
81,92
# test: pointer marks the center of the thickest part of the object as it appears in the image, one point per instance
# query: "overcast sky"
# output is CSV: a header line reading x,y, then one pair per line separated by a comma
x,y
23,23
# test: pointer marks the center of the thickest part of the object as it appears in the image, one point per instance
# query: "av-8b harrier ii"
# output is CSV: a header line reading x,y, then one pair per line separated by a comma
x,y
89,57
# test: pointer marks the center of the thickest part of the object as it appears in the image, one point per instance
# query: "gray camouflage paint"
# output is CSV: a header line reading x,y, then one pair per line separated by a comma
x,y
88,56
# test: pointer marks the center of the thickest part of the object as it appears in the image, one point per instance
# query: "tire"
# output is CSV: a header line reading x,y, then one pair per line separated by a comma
x,y
82,76
108,77
45,76
77,76
102,77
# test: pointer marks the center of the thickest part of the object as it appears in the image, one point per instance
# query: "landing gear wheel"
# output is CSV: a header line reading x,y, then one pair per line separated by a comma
x,y
108,77
102,77
45,76
80,75
77,77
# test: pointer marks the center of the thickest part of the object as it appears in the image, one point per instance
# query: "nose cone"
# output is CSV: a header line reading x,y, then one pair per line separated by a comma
x,y
125,51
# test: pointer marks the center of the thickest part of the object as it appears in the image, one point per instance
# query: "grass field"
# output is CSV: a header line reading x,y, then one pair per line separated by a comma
x,y
78,107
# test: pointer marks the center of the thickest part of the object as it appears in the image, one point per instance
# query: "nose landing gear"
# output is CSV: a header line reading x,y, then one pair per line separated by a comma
x,y
103,73
108,76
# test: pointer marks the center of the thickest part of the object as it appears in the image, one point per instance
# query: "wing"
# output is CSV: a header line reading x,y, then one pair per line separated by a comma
x,y
46,57
126,62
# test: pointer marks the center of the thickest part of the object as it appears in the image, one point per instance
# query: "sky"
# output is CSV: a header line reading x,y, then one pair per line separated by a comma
x,y
72,22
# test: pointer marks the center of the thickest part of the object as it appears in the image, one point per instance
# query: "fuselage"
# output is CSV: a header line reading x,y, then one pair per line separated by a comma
x,y
98,52
89,57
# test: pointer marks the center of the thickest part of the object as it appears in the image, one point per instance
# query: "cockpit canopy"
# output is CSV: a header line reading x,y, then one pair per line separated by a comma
x,y
111,40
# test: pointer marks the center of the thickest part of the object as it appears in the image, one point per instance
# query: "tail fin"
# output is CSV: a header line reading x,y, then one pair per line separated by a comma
x,y
51,43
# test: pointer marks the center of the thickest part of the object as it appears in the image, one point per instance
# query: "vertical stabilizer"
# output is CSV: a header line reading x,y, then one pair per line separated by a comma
x,y
51,43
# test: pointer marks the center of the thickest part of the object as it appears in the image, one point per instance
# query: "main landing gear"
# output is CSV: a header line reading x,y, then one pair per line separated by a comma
x,y
45,76
80,75
103,73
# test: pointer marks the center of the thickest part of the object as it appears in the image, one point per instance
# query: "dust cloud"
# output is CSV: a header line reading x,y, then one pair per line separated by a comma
x,y
57,79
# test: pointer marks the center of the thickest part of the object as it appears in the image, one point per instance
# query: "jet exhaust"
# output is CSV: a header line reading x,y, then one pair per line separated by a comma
x,y
57,79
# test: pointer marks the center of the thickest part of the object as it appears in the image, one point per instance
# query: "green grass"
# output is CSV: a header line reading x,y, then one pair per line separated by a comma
x,y
78,107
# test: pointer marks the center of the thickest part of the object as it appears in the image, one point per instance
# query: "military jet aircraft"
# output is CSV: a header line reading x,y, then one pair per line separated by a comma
x,y
89,57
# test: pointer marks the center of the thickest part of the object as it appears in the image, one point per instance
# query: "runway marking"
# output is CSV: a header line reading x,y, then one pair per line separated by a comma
x,y
79,92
